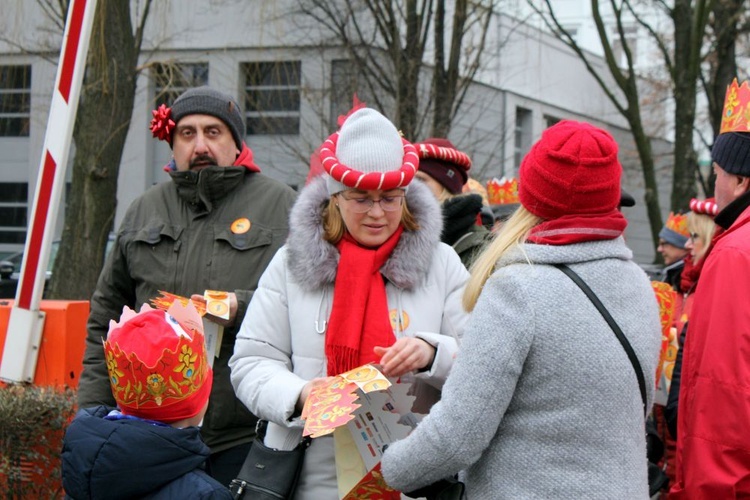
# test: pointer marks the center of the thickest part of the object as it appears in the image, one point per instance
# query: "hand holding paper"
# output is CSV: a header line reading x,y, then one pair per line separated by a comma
x,y
220,306
408,354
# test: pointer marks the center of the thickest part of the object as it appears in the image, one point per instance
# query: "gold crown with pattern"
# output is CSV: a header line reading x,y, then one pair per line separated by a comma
x,y
735,117
678,223
503,191
158,366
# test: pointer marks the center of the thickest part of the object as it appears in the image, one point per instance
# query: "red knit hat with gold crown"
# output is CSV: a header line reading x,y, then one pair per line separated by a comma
x,y
158,367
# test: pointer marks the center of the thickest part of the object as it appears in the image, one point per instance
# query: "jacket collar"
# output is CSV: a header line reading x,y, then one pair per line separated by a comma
x,y
731,212
312,261
205,187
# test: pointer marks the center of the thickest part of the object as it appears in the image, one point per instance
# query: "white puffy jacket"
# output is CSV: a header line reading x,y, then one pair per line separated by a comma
x,y
281,343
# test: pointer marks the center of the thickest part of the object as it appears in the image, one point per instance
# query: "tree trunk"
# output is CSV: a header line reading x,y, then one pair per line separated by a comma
x,y
445,78
102,123
727,14
685,83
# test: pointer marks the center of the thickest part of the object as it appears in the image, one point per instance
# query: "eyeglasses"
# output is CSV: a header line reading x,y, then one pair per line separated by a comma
x,y
362,204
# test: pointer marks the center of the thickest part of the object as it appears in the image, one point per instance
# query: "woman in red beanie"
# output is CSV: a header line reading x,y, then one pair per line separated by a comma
x,y
543,401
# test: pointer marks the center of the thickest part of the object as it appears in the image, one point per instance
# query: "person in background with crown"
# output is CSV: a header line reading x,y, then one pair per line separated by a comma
x,y
503,199
363,278
713,423
445,171
672,239
543,401
215,225
701,229
150,445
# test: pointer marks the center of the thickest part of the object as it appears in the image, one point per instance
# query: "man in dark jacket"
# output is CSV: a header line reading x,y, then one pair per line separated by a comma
x,y
214,226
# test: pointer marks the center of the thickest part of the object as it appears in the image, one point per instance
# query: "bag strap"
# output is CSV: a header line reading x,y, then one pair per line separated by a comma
x,y
612,324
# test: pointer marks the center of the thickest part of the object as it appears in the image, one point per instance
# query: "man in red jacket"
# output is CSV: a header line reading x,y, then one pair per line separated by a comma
x,y
713,447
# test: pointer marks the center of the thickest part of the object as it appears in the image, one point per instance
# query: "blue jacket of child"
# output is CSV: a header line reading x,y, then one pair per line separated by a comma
x,y
108,455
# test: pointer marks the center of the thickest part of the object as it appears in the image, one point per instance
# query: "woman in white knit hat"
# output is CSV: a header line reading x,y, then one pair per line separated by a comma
x,y
362,279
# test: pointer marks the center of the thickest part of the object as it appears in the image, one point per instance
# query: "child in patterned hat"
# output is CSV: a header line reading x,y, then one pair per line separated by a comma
x,y
150,445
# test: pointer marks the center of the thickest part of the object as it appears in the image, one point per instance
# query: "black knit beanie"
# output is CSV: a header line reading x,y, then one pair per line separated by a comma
x,y
731,151
207,101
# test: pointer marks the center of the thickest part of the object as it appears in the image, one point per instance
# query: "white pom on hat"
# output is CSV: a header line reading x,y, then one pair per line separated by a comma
x,y
368,143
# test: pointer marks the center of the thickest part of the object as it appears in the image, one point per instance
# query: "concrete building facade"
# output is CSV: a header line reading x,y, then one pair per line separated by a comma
x,y
285,75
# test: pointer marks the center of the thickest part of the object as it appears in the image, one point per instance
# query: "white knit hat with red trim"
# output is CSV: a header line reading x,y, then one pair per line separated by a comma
x,y
368,153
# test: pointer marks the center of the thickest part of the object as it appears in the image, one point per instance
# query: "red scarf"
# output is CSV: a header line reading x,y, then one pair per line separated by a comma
x,y
579,228
359,317
245,159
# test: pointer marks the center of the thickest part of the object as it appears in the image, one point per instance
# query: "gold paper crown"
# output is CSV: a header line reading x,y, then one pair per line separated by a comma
x,y
678,224
158,380
503,191
735,116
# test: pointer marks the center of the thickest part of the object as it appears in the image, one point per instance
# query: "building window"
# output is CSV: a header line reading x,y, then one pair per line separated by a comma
x,y
551,120
522,141
171,80
15,101
14,204
272,97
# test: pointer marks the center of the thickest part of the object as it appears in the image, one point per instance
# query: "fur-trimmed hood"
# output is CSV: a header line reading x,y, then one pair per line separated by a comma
x,y
312,261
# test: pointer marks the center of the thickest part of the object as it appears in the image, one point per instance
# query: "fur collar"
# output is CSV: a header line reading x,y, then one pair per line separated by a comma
x,y
312,261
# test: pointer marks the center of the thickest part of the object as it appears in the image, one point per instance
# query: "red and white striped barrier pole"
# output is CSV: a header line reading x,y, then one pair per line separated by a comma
x,y
26,321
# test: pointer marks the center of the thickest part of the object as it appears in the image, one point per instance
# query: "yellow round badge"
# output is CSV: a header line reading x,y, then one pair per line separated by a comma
x,y
241,226
404,320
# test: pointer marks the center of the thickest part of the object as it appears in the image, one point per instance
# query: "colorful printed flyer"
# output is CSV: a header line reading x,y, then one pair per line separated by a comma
x,y
366,412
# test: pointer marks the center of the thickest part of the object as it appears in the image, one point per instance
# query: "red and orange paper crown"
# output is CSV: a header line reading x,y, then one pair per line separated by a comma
x,y
158,367
678,224
503,191
736,114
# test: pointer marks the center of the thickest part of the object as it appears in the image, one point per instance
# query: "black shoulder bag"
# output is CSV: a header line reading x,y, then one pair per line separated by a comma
x,y
615,328
657,480
268,473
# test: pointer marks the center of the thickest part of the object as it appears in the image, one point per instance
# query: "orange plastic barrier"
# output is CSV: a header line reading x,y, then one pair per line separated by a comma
x,y
63,341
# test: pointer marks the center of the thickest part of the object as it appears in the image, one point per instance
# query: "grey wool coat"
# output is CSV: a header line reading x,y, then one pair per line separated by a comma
x,y
542,401
281,344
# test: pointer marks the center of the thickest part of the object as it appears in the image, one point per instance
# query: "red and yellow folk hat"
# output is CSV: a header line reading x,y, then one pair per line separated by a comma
x,y
158,367
440,159
705,207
